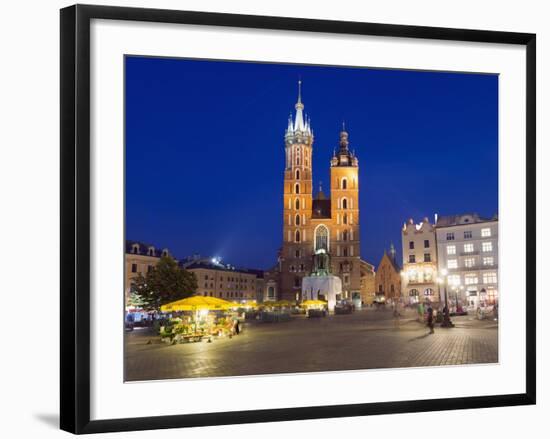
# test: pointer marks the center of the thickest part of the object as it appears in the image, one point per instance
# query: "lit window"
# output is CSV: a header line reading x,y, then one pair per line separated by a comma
x,y
453,279
428,275
468,248
488,260
451,250
450,236
468,234
485,233
470,279
489,278
469,262
452,263
487,246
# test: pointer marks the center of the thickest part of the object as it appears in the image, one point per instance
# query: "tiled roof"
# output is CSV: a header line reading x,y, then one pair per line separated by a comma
x,y
463,219
213,266
143,248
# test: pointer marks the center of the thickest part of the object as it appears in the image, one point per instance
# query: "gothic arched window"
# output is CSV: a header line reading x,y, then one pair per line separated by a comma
x,y
345,218
297,174
297,221
321,238
344,183
344,203
297,203
345,235
297,189
297,236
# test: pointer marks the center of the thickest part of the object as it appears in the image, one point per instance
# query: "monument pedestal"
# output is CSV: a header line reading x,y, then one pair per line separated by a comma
x,y
326,285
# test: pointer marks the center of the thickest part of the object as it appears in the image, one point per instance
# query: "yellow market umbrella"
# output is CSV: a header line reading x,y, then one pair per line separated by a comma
x,y
245,304
282,303
269,303
309,303
196,303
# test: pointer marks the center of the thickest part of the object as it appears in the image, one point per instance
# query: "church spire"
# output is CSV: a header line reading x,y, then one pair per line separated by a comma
x,y
344,141
299,124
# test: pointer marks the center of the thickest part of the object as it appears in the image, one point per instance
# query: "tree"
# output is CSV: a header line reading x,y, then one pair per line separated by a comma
x,y
137,300
165,283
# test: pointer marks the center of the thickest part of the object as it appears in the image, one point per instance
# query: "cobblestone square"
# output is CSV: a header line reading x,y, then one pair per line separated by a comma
x,y
364,340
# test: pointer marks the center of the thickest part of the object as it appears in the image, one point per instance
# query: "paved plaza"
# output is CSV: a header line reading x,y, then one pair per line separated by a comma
x,y
364,340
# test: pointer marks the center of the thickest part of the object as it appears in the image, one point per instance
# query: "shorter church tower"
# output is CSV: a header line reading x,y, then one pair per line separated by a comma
x,y
344,190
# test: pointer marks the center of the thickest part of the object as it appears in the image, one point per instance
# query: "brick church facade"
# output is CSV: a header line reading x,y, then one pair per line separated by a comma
x,y
316,222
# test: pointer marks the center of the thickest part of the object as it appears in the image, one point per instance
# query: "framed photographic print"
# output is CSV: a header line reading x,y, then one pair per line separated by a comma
x,y
268,218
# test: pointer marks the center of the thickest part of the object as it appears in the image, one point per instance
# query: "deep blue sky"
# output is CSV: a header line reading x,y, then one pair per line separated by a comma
x,y
205,150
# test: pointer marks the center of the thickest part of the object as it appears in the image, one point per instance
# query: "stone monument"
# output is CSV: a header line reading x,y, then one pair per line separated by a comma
x,y
320,282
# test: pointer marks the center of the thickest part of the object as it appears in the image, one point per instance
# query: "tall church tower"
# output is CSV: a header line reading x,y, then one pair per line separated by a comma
x,y
344,190
297,237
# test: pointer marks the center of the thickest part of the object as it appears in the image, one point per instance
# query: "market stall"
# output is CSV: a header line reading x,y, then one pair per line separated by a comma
x,y
207,318
315,308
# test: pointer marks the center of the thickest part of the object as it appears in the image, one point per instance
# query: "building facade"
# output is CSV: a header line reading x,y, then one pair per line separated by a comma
x,y
368,283
388,279
468,249
213,278
139,259
320,223
420,262
217,280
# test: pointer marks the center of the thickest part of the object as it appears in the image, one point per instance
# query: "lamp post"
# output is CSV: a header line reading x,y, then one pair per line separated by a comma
x,y
446,319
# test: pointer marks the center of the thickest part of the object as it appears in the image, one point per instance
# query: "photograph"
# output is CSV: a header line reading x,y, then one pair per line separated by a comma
x,y
295,218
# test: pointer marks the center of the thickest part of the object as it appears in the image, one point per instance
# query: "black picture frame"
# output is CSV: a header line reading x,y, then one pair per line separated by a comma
x,y
75,217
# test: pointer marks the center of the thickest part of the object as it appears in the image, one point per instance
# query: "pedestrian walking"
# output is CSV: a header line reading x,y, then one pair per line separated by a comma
x,y
430,319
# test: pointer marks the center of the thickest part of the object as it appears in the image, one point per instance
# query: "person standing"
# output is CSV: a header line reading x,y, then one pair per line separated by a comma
x,y
430,319
420,312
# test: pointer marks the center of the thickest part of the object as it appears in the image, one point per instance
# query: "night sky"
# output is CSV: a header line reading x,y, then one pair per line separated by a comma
x,y
205,150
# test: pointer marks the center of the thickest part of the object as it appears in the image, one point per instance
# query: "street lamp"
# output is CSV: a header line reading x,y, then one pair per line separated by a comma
x,y
446,319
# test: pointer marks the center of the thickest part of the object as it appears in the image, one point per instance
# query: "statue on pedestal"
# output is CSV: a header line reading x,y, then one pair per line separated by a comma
x,y
321,263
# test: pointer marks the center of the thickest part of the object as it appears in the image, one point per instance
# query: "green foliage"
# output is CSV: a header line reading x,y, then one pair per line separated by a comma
x,y
165,283
137,301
